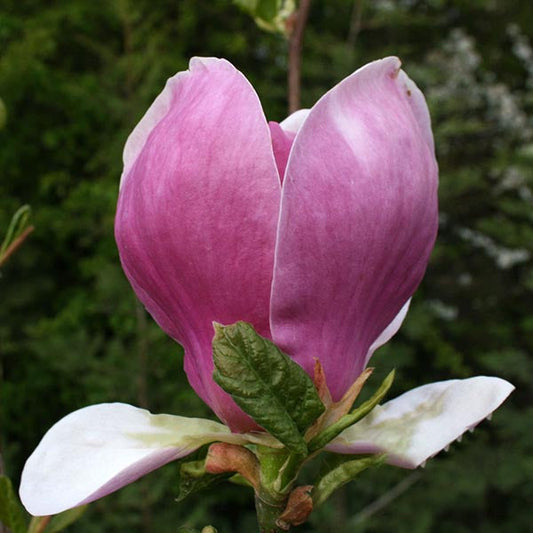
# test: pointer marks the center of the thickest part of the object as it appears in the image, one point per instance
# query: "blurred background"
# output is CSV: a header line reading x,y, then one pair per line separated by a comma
x,y
75,77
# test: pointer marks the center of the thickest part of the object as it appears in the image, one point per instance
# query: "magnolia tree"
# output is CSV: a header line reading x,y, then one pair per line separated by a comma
x,y
280,256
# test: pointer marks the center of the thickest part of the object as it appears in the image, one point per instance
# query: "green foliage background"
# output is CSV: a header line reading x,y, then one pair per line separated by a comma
x,y
76,76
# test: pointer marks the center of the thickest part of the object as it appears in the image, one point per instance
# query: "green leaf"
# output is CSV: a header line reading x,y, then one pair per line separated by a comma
x,y
342,469
351,418
268,9
193,478
62,520
268,385
270,15
12,515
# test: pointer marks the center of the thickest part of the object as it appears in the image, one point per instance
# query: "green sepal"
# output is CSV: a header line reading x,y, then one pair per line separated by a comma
x,y
12,515
66,518
265,383
350,419
192,478
342,469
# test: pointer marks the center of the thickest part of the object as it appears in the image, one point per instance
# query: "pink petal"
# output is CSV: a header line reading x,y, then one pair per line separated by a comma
x,y
420,423
283,135
358,221
101,448
197,215
281,143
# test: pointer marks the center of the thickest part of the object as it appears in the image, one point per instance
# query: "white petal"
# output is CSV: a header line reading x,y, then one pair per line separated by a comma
x,y
422,422
99,449
389,332
294,121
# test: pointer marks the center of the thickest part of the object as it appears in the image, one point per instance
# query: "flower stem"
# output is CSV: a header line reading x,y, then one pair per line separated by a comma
x,y
268,513
15,244
295,55
38,524
278,472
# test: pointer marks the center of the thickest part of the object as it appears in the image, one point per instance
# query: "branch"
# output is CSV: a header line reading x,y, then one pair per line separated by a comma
x,y
385,499
15,244
295,55
355,23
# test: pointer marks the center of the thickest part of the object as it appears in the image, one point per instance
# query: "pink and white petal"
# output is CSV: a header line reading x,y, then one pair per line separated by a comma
x,y
357,224
99,449
420,423
157,111
197,215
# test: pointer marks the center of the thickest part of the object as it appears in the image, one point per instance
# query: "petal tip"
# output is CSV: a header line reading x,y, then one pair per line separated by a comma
x,y
199,64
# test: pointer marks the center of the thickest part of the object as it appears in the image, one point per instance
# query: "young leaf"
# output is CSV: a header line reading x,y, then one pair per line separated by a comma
x,y
342,469
265,383
12,514
66,518
193,478
17,232
351,418
18,223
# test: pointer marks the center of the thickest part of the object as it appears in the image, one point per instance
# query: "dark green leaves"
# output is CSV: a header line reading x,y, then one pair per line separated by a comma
x,y
265,383
13,516
3,114
11,513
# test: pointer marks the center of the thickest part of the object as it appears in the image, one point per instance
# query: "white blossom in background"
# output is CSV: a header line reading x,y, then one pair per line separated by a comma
x,y
481,89
514,178
443,310
522,49
503,257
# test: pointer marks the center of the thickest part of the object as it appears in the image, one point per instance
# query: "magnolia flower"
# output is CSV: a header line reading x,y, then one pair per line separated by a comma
x,y
316,230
